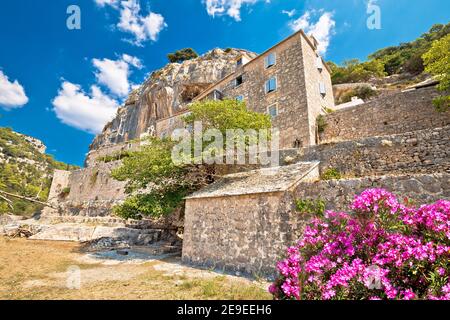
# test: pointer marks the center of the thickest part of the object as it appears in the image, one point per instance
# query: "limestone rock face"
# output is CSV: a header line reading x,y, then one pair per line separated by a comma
x,y
165,93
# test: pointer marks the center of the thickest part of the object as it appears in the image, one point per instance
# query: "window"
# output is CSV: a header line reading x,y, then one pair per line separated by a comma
x,y
239,62
322,89
238,81
271,85
319,63
272,110
270,60
240,98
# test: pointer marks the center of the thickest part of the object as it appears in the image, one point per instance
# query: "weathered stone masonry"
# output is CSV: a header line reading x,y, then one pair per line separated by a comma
x,y
423,151
393,114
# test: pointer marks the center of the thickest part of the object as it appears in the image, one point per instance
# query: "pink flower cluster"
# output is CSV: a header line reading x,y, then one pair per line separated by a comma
x,y
383,249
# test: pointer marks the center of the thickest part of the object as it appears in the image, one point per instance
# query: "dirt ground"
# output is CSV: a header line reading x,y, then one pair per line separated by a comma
x,y
60,270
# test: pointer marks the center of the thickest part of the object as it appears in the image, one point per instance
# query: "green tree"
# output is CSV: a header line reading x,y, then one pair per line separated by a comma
x,y
156,185
437,63
182,55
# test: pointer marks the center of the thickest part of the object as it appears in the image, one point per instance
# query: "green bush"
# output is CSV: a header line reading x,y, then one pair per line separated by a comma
x,y
182,55
331,174
151,204
114,157
437,62
311,206
321,123
65,192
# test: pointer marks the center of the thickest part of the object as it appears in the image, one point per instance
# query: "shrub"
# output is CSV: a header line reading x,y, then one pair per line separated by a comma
x,y
150,205
114,157
310,206
381,250
437,62
65,191
321,123
331,174
182,55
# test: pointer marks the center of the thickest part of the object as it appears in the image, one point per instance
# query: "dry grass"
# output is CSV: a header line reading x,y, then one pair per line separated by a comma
x,y
37,269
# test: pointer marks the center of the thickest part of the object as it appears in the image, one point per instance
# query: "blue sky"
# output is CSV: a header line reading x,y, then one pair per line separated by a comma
x,y
62,85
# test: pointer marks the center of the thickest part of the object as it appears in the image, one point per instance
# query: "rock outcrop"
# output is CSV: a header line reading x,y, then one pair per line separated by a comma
x,y
165,93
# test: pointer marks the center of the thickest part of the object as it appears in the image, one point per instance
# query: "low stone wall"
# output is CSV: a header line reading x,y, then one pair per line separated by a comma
x,y
393,114
423,151
338,194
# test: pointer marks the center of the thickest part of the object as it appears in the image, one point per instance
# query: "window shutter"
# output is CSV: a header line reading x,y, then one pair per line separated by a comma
x,y
322,88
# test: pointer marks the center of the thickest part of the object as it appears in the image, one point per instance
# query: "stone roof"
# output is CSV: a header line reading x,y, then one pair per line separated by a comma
x,y
266,180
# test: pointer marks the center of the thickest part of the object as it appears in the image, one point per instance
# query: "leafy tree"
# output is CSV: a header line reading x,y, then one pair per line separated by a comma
x,y
437,62
156,185
182,55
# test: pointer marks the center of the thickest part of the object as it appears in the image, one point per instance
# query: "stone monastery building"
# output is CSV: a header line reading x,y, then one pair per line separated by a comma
x,y
289,81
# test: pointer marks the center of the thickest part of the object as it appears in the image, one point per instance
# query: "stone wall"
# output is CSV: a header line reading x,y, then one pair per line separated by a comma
x,y
423,151
393,114
338,194
59,183
95,184
246,233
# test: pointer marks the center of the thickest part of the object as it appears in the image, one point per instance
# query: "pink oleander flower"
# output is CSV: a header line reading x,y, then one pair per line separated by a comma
x,y
381,250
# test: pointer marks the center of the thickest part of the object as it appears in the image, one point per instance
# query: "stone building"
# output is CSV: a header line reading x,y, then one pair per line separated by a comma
x,y
289,81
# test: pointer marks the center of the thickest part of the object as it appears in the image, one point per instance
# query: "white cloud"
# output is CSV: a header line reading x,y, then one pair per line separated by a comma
x,y
322,30
12,94
114,73
289,13
88,112
143,28
102,3
231,8
135,62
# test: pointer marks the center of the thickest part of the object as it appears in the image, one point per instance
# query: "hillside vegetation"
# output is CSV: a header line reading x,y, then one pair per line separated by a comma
x,y
404,58
24,171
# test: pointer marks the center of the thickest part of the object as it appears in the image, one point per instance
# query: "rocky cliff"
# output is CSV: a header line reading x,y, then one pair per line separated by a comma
x,y
166,92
